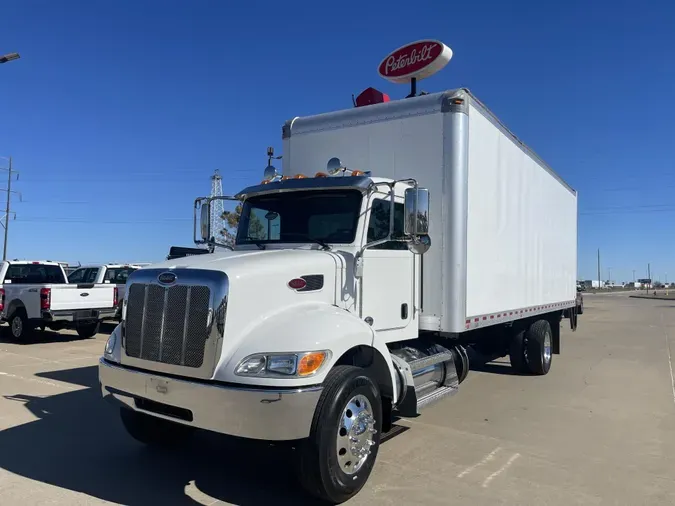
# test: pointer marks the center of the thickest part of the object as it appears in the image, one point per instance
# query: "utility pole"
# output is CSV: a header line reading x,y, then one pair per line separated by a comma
x,y
10,173
649,275
609,274
633,276
599,279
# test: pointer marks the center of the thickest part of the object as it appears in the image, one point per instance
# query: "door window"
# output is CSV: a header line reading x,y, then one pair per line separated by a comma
x,y
378,225
83,275
118,276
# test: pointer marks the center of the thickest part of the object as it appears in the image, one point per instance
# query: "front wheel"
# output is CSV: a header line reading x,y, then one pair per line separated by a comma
x,y
153,431
338,457
87,330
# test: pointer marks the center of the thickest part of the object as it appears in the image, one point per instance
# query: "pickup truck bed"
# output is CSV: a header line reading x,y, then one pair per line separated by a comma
x,y
37,294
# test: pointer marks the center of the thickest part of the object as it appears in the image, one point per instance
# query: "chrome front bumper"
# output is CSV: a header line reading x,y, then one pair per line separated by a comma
x,y
275,415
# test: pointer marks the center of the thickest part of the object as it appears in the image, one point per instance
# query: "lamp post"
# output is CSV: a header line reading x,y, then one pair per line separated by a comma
x,y
9,57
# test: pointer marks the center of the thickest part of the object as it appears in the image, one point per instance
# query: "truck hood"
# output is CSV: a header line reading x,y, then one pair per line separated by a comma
x,y
243,264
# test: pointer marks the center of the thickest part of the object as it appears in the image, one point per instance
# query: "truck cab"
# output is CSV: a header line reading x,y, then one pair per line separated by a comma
x,y
324,272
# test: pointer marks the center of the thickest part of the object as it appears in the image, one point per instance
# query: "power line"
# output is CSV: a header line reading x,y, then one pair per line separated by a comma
x,y
49,219
611,212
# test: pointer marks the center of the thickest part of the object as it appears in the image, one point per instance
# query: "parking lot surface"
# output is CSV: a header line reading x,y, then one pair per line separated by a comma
x,y
598,429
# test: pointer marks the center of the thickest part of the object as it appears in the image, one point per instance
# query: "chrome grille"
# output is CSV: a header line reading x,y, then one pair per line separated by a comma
x,y
169,325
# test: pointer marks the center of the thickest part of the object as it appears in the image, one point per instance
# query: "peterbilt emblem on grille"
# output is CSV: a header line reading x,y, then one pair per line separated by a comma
x,y
166,278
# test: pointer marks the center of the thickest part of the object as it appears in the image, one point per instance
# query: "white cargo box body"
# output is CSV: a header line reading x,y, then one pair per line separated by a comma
x,y
503,225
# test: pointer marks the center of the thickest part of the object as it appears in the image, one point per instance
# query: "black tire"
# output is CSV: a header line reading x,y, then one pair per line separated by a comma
x,y
87,330
153,431
538,342
320,469
461,358
20,327
580,308
517,353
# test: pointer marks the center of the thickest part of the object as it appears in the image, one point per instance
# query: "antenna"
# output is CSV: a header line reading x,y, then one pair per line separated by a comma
x,y
270,155
217,208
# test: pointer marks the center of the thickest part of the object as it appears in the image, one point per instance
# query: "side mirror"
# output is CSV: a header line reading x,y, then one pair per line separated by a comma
x,y
416,222
205,220
416,210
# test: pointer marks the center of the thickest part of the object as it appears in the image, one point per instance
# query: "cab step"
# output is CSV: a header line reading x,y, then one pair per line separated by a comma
x,y
435,396
423,363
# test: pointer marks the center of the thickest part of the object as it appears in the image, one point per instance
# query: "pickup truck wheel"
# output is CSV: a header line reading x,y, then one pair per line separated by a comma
x,y
153,431
19,326
87,330
337,458
538,342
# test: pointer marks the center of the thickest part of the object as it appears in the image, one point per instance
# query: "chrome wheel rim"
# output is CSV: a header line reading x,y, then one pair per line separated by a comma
x,y
547,347
355,435
17,327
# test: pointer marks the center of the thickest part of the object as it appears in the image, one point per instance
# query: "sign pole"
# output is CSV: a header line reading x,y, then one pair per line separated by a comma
x,y
413,88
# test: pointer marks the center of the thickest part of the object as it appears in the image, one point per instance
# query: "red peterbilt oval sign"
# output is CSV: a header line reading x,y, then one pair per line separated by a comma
x,y
419,60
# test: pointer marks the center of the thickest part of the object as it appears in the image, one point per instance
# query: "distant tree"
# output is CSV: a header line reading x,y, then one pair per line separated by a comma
x,y
256,229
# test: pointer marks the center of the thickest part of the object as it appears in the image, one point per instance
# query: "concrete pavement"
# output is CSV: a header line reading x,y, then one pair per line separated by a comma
x,y
598,429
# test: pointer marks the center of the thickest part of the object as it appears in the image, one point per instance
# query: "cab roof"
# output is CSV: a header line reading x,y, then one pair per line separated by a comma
x,y
361,183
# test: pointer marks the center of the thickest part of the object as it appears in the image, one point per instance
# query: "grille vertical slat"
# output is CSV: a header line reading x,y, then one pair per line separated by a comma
x,y
152,323
174,329
186,320
197,321
163,327
168,324
134,320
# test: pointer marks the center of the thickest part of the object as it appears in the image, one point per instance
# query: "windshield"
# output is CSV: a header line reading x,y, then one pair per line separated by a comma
x,y
329,216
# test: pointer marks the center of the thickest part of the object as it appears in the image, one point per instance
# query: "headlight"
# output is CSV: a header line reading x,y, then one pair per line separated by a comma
x,y
110,344
282,364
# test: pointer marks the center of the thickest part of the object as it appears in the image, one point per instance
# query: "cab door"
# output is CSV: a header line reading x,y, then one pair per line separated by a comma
x,y
388,275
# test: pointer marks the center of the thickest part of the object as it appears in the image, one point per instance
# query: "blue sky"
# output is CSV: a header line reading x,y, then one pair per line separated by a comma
x,y
118,112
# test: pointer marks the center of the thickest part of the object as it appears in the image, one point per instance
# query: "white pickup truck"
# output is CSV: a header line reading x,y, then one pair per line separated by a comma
x,y
112,274
37,294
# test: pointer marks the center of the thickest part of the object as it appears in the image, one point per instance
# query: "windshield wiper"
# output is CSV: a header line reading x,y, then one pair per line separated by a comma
x,y
255,241
320,242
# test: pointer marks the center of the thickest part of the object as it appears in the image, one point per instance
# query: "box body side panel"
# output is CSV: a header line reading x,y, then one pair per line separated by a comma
x,y
522,226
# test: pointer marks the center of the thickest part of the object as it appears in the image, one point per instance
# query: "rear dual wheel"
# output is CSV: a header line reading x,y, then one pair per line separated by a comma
x,y
531,350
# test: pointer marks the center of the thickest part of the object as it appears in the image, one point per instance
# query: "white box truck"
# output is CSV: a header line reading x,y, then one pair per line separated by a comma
x,y
353,292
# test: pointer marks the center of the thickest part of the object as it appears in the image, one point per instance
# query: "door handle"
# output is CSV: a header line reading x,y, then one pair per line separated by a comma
x,y
404,311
